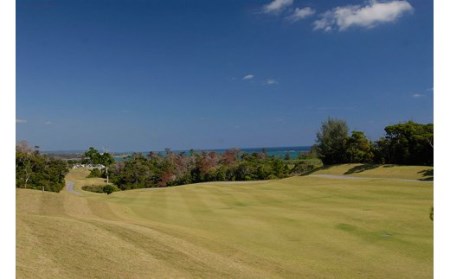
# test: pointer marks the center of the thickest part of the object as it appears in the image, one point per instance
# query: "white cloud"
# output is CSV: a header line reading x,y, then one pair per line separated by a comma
x,y
277,6
21,121
368,16
300,14
48,123
249,76
271,82
417,95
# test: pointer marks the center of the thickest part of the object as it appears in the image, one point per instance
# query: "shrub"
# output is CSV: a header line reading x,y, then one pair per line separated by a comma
x,y
95,173
93,188
109,189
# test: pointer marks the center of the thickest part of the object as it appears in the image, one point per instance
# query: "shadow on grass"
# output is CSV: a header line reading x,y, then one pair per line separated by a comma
x,y
428,175
315,170
361,168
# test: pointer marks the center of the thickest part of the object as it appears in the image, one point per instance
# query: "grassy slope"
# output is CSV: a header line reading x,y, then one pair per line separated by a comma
x,y
297,227
381,171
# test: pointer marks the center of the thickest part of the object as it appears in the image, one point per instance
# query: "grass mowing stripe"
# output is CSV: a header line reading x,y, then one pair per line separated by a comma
x,y
300,227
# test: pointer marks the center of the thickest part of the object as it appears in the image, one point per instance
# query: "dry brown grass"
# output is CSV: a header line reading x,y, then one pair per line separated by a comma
x,y
300,227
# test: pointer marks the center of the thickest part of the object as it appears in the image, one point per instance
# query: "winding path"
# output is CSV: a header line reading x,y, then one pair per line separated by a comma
x,y
69,187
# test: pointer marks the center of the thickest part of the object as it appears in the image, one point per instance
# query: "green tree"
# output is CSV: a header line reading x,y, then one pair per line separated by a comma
x,y
106,159
331,141
359,148
407,143
92,156
37,171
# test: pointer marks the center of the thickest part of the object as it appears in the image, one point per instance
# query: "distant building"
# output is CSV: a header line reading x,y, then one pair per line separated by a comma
x,y
89,166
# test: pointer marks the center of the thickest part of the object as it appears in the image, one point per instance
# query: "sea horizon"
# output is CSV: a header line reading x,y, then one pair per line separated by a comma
x,y
277,151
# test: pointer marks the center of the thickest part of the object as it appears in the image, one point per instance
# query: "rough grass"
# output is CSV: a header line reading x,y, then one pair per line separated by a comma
x,y
300,227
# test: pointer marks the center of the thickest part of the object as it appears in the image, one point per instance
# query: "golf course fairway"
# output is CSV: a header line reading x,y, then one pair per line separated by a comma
x,y
368,223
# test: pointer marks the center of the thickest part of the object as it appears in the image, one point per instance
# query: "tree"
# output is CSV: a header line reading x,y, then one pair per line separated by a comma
x,y
24,163
359,148
37,171
406,143
106,159
331,141
24,168
91,156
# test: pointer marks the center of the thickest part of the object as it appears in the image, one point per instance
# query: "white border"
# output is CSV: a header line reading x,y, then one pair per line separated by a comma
x,y
441,139
8,138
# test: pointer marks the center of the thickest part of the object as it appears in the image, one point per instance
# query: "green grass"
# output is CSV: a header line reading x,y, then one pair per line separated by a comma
x,y
299,227
380,171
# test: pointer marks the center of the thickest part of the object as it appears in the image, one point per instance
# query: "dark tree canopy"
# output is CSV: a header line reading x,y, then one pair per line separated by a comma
x,y
407,143
331,141
359,148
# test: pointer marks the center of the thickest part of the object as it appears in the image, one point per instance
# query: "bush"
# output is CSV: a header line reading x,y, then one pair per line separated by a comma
x,y
109,189
93,188
95,173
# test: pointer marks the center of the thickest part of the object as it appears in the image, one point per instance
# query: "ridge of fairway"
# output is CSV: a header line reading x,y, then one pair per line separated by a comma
x,y
422,173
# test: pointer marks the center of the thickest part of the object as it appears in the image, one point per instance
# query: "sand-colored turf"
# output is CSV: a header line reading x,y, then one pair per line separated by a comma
x,y
300,227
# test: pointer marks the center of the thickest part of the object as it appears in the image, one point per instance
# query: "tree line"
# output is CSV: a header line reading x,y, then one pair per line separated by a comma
x,y
154,170
38,171
408,143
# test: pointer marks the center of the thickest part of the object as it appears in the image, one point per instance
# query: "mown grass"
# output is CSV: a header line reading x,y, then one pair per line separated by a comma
x,y
299,227
380,171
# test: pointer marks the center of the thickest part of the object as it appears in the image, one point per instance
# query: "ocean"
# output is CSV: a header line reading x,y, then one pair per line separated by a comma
x,y
278,152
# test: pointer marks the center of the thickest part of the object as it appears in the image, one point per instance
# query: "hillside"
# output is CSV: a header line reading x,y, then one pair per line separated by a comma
x,y
299,227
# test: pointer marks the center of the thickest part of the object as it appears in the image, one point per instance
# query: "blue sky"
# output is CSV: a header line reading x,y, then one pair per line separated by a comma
x,y
145,75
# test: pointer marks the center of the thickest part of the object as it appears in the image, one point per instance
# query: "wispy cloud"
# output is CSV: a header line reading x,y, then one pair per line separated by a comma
x,y
48,123
417,95
277,6
21,121
368,16
300,14
270,82
247,77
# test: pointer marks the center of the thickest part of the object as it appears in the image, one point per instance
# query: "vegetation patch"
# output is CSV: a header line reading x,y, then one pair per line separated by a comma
x,y
37,171
408,143
107,189
93,188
